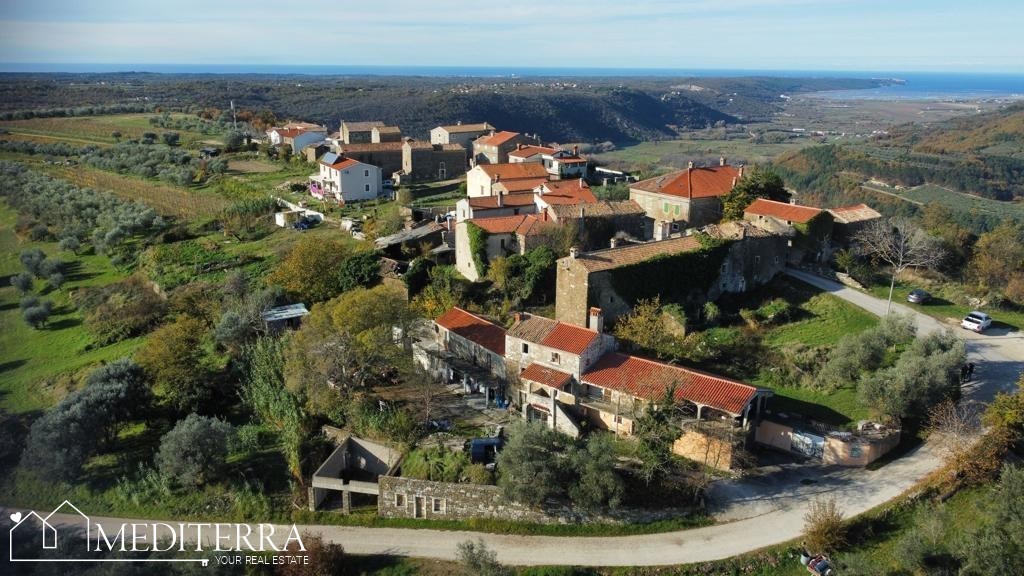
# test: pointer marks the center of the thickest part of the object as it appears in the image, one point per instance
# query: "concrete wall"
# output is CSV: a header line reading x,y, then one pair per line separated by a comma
x,y
774,435
857,451
361,182
471,352
605,420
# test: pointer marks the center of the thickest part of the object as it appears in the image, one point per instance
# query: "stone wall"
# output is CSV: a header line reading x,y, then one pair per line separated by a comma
x,y
411,498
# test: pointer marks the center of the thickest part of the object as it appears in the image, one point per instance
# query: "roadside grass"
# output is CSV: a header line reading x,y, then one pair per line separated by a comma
x,y
30,359
824,320
943,309
97,129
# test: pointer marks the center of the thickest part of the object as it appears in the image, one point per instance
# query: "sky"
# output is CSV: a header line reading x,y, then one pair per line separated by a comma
x,y
863,35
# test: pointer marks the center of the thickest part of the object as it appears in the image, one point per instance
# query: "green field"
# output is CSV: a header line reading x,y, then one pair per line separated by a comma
x,y
30,359
97,129
963,202
670,154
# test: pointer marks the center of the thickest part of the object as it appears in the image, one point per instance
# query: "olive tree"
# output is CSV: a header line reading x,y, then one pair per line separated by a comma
x,y
195,450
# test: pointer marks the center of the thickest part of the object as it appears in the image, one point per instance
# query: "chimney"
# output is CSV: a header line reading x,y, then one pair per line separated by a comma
x,y
733,181
721,160
576,150
581,182
518,316
741,170
501,199
689,165
614,243
596,322
574,252
520,146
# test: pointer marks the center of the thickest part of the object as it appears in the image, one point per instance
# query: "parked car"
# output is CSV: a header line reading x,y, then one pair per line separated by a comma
x,y
976,321
918,296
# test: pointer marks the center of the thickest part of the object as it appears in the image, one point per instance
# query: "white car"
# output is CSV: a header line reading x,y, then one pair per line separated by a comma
x,y
976,321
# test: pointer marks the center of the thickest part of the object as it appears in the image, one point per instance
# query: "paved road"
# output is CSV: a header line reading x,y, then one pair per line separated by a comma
x,y
761,512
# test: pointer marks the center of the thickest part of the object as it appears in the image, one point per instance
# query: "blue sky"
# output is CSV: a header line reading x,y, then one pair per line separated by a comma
x,y
899,35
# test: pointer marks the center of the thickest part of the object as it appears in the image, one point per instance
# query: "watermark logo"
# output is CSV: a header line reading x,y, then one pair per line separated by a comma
x,y
67,531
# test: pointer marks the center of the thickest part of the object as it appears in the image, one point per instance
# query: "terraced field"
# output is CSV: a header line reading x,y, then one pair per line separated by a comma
x,y
94,129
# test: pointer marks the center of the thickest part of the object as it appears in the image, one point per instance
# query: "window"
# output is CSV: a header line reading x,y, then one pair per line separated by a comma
x,y
665,207
440,165
618,419
366,173
555,358
437,505
399,500
526,348
789,222
776,259
502,243
757,261
437,329
366,188
677,209
675,227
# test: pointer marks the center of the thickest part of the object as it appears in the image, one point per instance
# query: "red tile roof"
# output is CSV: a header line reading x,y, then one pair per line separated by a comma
x,y
648,379
475,329
496,139
519,171
782,210
499,224
546,376
703,182
341,163
506,199
572,339
527,151
857,213
567,192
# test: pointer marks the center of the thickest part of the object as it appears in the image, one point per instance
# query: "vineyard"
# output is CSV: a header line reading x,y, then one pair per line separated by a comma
x,y
962,202
164,198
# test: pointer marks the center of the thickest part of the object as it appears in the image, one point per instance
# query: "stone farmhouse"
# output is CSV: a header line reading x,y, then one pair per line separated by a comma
x,y
410,159
558,163
463,134
684,199
809,227
564,374
494,178
848,221
345,179
494,147
465,348
748,256
504,235
368,133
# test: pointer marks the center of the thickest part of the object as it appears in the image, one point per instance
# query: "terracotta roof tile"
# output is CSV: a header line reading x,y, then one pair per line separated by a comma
x,y
527,151
518,186
856,213
532,328
546,376
566,192
342,163
782,210
485,202
496,139
610,258
599,208
649,380
702,182
570,338
475,329
520,171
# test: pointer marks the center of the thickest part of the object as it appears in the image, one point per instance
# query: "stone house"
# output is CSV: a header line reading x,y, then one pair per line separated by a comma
x,y
494,148
484,179
600,223
505,235
558,163
380,134
810,228
297,135
749,257
684,199
424,162
385,155
358,132
493,206
345,179
468,349
848,221
463,134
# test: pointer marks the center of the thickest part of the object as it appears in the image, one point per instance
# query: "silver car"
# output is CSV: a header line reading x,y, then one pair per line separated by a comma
x,y
976,321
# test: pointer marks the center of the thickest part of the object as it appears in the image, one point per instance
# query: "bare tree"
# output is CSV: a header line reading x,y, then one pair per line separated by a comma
x,y
901,245
955,429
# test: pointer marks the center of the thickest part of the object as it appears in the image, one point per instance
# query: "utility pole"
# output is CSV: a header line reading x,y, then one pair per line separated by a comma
x,y
234,119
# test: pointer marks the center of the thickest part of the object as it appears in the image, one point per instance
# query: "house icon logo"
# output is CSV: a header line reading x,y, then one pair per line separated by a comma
x,y
71,519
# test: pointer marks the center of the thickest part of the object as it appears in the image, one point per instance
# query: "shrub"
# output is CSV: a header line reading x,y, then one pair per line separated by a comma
x,y
712,313
194,451
824,530
175,360
437,463
479,559
775,311
120,310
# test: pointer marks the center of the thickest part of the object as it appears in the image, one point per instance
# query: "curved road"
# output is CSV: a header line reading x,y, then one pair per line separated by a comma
x,y
755,513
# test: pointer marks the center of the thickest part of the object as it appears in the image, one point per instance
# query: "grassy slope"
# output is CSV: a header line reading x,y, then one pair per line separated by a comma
x,y
945,310
674,153
97,129
29,357
824,320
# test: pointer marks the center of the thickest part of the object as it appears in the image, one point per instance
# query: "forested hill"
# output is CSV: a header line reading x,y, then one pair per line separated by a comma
x,y
982,155
558,109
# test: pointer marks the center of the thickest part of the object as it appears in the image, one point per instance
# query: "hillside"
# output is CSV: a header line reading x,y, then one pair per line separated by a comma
x,y
620,110
999,133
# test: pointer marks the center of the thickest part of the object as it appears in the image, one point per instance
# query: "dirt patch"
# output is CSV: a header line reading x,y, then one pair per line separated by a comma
x,y
252,166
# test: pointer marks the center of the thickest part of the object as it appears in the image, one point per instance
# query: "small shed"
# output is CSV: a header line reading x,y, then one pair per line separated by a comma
x,y
284,317
207,153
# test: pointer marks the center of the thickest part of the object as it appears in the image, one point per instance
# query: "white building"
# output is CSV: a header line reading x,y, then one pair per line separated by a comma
x,y
459,134
522,177
558,163
345,179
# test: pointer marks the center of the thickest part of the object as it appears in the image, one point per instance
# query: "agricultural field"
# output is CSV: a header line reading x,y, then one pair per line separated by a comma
x,y
673,154
28,379
96,129
963,202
